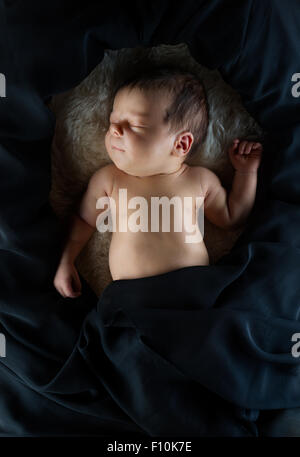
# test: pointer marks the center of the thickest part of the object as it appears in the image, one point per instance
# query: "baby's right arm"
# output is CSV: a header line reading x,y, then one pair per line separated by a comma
x,y
82,225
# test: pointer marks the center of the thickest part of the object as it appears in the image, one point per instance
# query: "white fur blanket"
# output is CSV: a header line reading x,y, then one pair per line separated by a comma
x,y
78,147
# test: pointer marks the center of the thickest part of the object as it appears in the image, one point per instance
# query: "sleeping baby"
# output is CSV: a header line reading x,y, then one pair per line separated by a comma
x,y
159,118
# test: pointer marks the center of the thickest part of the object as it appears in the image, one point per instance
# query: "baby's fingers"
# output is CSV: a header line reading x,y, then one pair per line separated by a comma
x,y
243,146
58,286
69,290
248,148
257,146
62,291
76,281
234,145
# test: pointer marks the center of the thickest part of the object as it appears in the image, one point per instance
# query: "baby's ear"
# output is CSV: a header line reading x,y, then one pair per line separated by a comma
x,y
184,143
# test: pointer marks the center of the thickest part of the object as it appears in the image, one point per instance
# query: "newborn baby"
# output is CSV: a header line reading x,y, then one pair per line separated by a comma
x,y
159,118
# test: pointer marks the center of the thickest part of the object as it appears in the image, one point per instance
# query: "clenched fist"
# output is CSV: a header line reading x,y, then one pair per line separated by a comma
x,y
245,155
67,281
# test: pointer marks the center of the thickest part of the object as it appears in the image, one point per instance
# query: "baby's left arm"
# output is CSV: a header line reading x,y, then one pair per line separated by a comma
x,y
231,210
245,157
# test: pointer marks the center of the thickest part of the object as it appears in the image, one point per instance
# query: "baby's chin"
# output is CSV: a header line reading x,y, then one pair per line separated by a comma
x,y
122,165
116,158
126,168
129,167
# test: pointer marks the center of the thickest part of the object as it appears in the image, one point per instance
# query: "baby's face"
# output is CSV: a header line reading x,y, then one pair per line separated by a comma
x,y
137,129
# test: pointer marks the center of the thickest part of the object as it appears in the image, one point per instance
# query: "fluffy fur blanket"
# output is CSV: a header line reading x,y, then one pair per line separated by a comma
x,y
78,147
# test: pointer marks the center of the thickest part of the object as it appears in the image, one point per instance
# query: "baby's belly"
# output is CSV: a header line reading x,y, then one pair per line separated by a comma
x,y
137,255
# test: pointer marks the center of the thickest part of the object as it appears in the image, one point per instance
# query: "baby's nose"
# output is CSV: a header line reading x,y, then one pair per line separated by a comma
x,y
116,129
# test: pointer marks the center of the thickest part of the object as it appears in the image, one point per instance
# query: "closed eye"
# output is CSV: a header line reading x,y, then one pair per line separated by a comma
x,y
136,126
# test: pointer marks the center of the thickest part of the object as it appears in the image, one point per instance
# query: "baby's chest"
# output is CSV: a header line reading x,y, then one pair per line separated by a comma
x,y
156,210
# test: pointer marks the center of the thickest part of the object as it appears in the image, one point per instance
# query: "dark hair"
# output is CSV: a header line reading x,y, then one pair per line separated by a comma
x,y
189,106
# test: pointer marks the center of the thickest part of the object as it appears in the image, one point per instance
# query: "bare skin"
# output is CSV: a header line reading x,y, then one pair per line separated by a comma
x,y
151,163
139,254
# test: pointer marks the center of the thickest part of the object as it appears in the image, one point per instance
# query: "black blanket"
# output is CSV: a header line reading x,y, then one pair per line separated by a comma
x,y
199,351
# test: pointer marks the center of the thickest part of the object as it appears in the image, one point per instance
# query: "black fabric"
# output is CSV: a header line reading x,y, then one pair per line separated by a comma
x,y
200,351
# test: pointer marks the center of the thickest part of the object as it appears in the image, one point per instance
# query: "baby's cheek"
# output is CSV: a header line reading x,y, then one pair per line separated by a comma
x,y
145,144
106,138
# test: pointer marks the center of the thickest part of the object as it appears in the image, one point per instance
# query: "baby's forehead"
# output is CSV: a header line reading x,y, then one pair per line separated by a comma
x,y
146,98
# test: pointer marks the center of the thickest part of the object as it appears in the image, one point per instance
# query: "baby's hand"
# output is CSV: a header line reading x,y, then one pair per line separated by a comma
x,y
245,155
67,281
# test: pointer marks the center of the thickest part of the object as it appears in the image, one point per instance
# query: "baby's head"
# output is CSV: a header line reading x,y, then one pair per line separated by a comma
x,y
159,118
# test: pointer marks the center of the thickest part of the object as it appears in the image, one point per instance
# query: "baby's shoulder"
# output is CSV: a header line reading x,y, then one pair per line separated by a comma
x,y
103,178
203,176
108,169
197,171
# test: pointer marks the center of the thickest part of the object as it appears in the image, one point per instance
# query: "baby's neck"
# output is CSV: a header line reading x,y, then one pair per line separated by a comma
x,y
175,173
